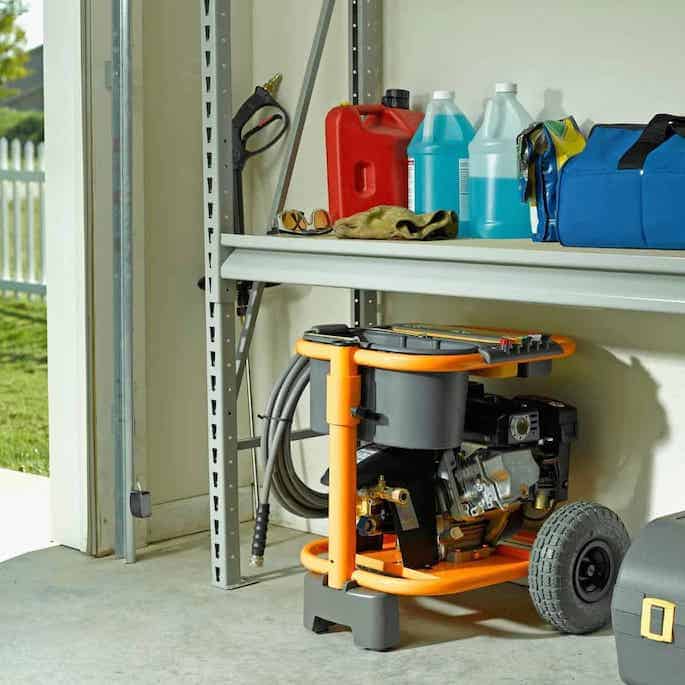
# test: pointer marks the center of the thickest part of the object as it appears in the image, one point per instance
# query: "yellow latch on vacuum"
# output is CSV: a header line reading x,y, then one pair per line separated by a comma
x,y
649,604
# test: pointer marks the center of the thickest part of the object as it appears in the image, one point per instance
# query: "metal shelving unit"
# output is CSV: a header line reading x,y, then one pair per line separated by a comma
x,y
518,271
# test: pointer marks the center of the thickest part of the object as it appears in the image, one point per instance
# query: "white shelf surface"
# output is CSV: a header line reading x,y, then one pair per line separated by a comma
x,y
511,270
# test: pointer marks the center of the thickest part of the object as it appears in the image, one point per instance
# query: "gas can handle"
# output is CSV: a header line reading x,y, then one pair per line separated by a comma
x,y
375,111
370,109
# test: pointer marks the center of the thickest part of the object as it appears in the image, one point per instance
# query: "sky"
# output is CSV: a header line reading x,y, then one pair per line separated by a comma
x,y
32,22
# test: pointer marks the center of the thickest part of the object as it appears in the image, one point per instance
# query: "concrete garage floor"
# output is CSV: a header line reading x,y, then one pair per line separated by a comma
x,y
68,618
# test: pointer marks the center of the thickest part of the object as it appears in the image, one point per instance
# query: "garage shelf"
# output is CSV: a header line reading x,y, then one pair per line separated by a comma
x,y
511,270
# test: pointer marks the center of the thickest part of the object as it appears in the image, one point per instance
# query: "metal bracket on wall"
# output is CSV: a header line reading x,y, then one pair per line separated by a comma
x,y
220,295
122,224
109,78
366,83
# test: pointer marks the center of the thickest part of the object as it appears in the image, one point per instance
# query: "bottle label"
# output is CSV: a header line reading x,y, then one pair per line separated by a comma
x,y
411,190
463,190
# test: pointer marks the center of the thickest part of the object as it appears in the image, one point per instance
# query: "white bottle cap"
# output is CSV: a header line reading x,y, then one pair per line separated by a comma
x,y
506,87
443,95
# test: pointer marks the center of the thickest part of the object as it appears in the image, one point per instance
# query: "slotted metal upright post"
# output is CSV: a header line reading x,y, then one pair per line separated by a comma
x,y
223,369
366,84
220,294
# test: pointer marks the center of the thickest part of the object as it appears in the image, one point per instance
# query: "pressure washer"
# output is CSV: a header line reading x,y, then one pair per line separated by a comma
x,y
435,486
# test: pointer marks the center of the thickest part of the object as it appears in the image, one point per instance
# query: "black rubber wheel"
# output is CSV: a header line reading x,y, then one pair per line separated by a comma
x,y
574,564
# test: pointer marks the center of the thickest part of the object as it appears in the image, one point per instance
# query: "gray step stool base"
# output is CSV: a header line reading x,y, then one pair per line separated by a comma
x,y
373,617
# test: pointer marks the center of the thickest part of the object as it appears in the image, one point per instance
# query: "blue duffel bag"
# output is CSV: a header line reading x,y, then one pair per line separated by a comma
x,y
627,188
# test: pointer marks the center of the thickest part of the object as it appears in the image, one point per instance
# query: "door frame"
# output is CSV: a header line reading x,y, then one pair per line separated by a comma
x,y
68,213
80,259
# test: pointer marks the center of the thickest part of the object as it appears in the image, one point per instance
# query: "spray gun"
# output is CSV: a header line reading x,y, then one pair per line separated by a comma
x,y
246,144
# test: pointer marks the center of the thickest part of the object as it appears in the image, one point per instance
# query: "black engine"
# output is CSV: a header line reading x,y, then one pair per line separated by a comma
x,y
456,504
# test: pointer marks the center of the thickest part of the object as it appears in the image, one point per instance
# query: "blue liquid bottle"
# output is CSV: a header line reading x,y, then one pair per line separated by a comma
x,y
438,159
496,207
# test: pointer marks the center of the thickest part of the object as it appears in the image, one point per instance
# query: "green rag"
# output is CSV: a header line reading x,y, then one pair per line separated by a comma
x,y
397,223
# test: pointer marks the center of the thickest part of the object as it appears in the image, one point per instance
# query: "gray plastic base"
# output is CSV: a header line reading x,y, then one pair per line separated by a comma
x,y
373,617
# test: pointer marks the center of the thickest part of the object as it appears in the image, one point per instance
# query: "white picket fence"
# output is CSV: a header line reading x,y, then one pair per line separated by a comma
x,y
22,217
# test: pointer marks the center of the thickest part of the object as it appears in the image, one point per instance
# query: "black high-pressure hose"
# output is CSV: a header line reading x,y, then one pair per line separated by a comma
x,y
275,454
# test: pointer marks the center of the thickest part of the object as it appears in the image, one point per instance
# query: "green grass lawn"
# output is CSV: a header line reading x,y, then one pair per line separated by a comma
x,y
23,385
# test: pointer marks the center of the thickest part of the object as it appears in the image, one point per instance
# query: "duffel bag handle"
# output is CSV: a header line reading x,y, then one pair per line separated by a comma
x,y
657,131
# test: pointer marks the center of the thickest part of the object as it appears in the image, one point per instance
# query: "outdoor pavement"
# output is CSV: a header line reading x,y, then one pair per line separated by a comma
x,y
24,513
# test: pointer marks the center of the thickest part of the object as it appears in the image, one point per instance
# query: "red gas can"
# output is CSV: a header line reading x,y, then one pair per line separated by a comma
x,y
366,156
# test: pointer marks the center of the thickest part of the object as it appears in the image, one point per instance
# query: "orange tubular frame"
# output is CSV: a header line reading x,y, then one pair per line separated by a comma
x,y
383,570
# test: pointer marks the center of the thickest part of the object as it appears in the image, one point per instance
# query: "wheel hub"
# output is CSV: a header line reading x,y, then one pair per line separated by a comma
x,y
593,571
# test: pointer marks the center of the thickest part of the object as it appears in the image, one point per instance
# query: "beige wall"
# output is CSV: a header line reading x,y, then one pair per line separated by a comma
x,y
176,402
593,61
287,311
628,377
629,374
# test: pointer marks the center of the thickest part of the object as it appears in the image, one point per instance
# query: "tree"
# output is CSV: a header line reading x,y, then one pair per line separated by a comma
x,y
13,56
